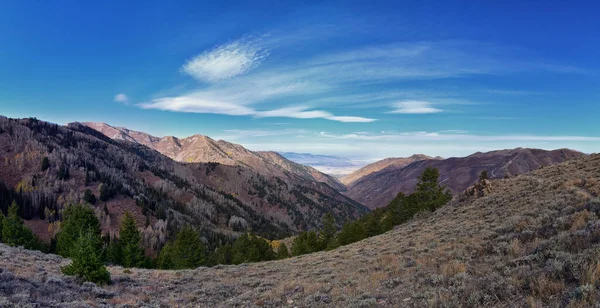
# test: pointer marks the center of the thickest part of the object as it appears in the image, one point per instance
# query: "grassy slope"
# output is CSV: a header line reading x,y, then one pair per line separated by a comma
x,y
535,240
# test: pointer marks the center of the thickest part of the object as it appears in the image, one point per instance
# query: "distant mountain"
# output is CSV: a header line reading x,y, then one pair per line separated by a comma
x,y
397,162
333,165
203,149
379,188
219,200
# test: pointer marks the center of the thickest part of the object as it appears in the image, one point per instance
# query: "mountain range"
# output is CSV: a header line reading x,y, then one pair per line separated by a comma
x,y
48,167
219,186
377,184
533,241
200,148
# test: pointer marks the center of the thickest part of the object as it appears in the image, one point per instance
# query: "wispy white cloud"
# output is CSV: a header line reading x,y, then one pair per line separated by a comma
x,y
121,98
233,134
195,104
234,84
226,61
454,136
414,107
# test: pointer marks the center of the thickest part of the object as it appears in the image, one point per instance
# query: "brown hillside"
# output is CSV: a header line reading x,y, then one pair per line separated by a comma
x,y
203,149
397,162
219,200
379,188
534,241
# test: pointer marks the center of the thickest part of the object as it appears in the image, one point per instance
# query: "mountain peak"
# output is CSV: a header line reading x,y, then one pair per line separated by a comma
x,y
200,148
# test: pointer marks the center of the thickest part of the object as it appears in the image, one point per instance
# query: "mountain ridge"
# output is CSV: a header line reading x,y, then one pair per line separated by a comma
x,y
200,148
221,201
457,173
398,162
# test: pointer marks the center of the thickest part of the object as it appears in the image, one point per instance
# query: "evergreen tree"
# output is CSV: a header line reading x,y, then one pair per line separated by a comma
x,y
429,194
45,164
249,248
312,242
392,215
328,232
165,260
2,219
483,175
188,250
372,224
77,219
351,232
89,197
223,254
114,254
87,260
129,240
104,193
15,233
299,245
282,252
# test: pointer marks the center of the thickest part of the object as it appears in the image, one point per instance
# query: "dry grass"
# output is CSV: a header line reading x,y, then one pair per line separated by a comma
x,y
533,241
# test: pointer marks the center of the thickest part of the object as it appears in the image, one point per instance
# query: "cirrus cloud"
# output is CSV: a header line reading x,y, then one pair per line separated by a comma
x,y
197,104
226,61
414,107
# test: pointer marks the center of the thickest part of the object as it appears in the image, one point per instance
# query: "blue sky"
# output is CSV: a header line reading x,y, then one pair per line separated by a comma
x,y
364,80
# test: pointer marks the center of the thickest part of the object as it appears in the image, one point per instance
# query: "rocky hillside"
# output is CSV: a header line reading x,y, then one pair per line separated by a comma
x,y
45,167
395,162
379,188
533,241
203,149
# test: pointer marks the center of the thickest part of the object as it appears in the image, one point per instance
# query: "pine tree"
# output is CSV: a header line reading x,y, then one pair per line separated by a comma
x,y
299,245
249,248
45,164
328,232
223,254
282,252
312,242
165,260
2,220
188,250
483,175
351,232
429,194
372,225
392,215
104,193
89,197
77,220
114,253
87,260
15,233
129,240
